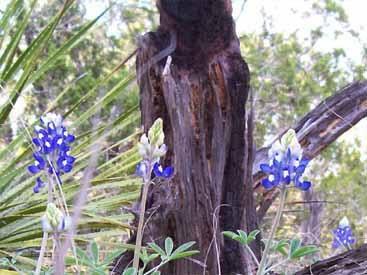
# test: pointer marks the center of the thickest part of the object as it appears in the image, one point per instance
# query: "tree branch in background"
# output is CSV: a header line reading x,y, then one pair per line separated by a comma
x,y
317,130
348,263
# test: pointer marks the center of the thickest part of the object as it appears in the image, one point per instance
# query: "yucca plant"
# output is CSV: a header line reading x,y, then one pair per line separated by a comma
x,y
20,208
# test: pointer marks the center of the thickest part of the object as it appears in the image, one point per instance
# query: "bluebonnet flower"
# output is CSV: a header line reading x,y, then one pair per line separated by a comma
x,y
152,148
141,169
39,185
53,145
65,161
39,164
54,220
285,163
343,235
162,173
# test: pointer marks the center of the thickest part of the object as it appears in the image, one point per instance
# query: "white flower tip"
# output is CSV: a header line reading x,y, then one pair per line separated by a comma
x,y
288,138
288,141
344,222
144,139
52,117
276,151
37,128
144,150
160,151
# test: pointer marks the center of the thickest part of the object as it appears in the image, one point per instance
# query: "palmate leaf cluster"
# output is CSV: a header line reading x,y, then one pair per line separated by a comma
x,y
288,249
92,260
23,63
154,252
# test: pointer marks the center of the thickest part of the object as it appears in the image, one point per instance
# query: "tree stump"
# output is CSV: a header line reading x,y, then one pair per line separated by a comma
x,y
202,99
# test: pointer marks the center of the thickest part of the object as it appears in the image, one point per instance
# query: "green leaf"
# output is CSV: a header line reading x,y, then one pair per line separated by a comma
x,y
95,251
295,244
183,255
304,251
230,234
144,255
7,272
183,248
27,61
6,16
99,271
243,236
234,236
168,244
157,249
280,247
107,98
252,236
111,257
20,209
81,254
7,57
129,271
68,45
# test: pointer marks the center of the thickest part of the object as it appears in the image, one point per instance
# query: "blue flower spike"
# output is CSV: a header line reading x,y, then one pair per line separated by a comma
x,y
52,141
343,236
285,163
161,172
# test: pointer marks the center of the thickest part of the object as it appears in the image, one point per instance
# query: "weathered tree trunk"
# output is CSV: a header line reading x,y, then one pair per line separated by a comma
x,y
353,262
201,99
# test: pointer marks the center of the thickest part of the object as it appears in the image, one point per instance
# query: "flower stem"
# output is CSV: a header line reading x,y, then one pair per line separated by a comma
x,y
139,234
264,258
45,234
64,206
276,265
252,255
156,268
42,252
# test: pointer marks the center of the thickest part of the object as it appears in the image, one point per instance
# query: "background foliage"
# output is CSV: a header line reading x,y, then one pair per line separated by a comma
x,y
53,56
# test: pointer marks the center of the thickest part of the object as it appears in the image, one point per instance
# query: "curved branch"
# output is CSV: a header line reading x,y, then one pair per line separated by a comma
x,y
317,130
348,263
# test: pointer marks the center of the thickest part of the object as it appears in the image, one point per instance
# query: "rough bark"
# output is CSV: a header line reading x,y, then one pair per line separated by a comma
x,y
353,262
201,99
316,130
